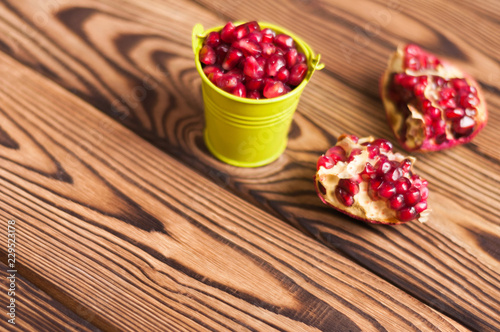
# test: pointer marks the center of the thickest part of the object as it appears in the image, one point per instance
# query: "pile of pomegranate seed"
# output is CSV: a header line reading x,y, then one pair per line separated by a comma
x,y
251,62
365,179
431,105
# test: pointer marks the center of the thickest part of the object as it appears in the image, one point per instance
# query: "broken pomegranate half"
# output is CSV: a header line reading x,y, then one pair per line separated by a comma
x,y
365,179
430,104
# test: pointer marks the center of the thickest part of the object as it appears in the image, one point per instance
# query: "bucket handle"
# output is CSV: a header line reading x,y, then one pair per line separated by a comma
x,y
198,32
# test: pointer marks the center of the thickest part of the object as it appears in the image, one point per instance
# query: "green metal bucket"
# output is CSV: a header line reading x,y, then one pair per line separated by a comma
x,y
246,132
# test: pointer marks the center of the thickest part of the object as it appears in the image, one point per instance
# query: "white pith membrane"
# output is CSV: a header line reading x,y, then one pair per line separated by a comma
x,y
364,207
415,133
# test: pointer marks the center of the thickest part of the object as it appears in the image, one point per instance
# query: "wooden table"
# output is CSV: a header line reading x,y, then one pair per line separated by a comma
x,y
125,222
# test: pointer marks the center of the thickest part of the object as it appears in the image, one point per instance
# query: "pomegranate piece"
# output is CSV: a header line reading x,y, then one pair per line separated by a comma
x,y
248,47
253,94
365,179
274,64
239,90
252,68
268,35
227,33
233,58
284,41
227,82
297,74
430,104
274,89
266,64
213,39
212,72
207,55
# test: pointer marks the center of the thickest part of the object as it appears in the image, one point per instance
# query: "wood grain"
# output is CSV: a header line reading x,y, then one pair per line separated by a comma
x,y
139,69
111,224
36,311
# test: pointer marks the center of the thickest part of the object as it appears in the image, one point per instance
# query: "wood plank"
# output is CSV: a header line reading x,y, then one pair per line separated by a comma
x,y
35,310
110,53
110,223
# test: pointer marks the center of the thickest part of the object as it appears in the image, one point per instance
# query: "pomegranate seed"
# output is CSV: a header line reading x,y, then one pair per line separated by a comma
x,y
454,113
406,214
448,103
374,185
424,193
383,144
221,52
297,74
207,55
337,153
255,36
268,49
252,26
419,89
433,112
254,84
252,68
409,82
284,41
213,39
412,49
274,63
383,166
227,82
439,127
373,151
469,100
463,126
254,94
368,172
248,47
291,57
470,112
239,90
412,63
233,58
459,84
439,81
412,196
227,32
262,61
301,58
212,72
274,89
402,185
344,197
418,182
447,93
350,186
405,165
240,31
393,174
431,62
283,74
426,103
420,206
396,202
386,190
268,35
325,161
236,72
